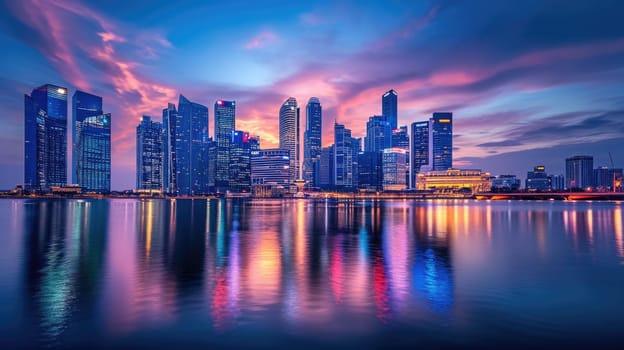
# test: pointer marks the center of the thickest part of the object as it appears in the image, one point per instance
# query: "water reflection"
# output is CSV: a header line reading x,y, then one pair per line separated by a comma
x,y
110,269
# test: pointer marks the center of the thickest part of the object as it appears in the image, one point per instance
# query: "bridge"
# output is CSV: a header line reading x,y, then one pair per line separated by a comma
x,y
572,196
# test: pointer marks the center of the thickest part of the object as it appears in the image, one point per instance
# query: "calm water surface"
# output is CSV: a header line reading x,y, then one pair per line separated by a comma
x,y
316,274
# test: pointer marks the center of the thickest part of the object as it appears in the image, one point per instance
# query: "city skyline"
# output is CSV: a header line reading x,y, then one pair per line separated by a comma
x,y
546,98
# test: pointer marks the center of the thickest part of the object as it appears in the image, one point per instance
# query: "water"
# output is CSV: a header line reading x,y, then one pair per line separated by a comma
x,y
310,274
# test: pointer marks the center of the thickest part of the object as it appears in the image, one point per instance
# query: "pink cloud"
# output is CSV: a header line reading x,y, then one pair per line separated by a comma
x,y
261,40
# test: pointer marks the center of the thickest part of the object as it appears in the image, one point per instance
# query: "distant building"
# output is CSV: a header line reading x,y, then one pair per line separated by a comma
x,y
270,167
191,147
240,162
45,138
224,118
579,172
441,141
400,139
170,128
378,134
606,179
93,153
419,154
312,142
370,171
326,169
289,134
557,182
505,183
538,180
389,108
149,155
343,157
394,168
455,180
84,105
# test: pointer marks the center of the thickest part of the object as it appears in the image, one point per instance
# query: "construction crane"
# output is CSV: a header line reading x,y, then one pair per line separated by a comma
x,y
612,170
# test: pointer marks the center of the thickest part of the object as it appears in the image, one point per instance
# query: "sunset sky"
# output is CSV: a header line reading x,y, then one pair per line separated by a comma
x,y
528,82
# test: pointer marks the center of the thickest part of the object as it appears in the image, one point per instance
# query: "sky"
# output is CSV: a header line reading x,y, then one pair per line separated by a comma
x,y
529,82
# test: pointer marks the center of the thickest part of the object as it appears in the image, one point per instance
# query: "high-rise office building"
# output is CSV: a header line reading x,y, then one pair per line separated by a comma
x,y
212,164
149,155
191,148
289,134
224,117
326,168
394,165
557,182
93,152
400,139
538,179
170,123
240,162
370,171
441,141
419,155
45,137
579,172
606,179
83,105
378,134
343,156
312,142
270,167
389,108
91,143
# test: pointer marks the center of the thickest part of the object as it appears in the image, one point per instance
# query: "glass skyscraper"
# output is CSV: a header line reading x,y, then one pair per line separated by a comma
x,y
224,118
343,156
83,105
240,162
169,121
191,148
289,134
441,141
389,108
93,152
378,134
312,142
579,172
45,138
419,155
149,155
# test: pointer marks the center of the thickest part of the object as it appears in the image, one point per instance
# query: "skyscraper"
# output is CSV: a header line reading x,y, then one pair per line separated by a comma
x,y
270,167
224,116
419,155
579,172
240,162
394,163
400,139
441,141
45,137
378,134
149,155
170,122
289,134
312,142
326,168
192,148
538,179
83,105
389,108
93,152
343,156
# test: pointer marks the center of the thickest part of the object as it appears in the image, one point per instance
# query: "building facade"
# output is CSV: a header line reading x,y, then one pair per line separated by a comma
x,y
312,142
419,155
289,134
84,105
378,134
343,157
93,153
326,168
389,108
191,148
538,180
45,138
240,162
579,172
394,165
370,171
149,155
441,141
270,167
224,118
170,122
454,181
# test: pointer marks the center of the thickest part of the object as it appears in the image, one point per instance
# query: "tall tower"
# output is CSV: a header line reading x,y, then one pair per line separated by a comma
x,y
419,153
441,141
45,137
192,148
579,172
343,156
312,142
389,107
378,134
289,134
83,105
224,118
149,155
170,117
